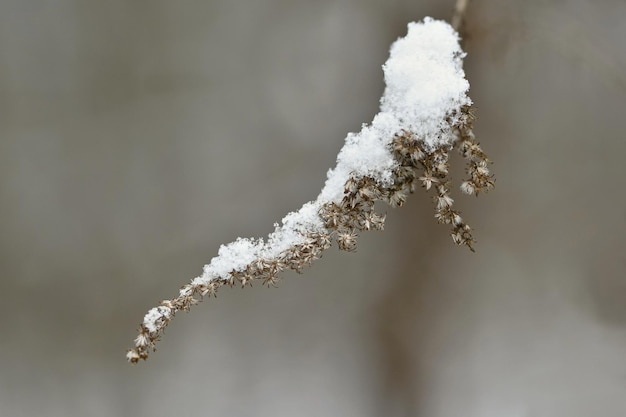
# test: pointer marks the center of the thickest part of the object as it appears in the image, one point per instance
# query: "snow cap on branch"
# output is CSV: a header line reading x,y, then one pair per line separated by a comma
x,y
425,91
425,82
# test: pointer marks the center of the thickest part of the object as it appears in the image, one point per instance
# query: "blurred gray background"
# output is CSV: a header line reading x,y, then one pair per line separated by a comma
x,y
138,136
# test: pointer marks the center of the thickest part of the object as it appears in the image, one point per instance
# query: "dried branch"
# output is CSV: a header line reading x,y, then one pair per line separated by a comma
x,y
425,113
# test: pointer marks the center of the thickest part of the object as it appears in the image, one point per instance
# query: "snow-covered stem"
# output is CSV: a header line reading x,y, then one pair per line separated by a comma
x,y
425,112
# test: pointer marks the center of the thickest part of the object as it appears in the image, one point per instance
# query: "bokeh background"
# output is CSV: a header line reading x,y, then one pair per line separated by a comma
x,y
138,136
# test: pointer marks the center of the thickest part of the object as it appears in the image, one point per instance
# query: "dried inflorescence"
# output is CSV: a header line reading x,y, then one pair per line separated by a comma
x,y
408,143
355,213
434,167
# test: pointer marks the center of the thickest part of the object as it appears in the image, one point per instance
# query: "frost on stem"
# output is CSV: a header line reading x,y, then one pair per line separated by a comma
x,y
424,114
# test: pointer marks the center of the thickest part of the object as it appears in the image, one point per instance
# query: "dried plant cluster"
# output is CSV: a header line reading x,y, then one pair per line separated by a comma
x,y
434,168
344,221
425,114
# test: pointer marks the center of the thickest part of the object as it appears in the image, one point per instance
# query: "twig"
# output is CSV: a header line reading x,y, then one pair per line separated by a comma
x,y
425,113
458,18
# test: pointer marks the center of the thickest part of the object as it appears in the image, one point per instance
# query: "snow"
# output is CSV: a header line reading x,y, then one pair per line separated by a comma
x,y
425,84
425,81
152,318
233,257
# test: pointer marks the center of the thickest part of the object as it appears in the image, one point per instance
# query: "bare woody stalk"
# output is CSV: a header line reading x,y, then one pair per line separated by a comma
x,y
419,155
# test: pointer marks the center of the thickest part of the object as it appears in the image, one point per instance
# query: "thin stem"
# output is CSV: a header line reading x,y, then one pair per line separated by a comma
x,y
458,18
